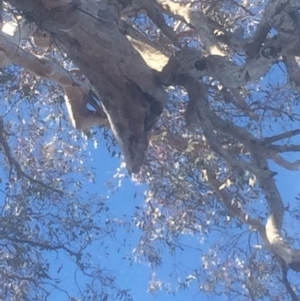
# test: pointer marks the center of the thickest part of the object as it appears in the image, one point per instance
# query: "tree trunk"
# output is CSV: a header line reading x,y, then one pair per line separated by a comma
x,y
90,36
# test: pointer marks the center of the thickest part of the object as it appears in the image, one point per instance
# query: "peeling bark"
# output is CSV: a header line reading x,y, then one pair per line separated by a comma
x,y
189,63
131,97
119,61
76,92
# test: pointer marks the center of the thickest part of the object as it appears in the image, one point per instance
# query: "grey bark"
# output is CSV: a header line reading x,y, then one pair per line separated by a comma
x,y
93,36
131,97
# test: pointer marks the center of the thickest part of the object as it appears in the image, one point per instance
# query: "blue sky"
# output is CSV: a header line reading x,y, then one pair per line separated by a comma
x,y
122,204
137,276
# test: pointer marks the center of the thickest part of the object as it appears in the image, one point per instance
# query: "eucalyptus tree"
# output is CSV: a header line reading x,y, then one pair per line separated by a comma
x,y
201,97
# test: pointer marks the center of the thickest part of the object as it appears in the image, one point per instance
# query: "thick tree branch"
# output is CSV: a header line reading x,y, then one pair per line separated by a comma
x,y
285,148
293,71
131,96
281,136
153,10
288,285
285,163
189,63
150,52
198,21
76,92
258,166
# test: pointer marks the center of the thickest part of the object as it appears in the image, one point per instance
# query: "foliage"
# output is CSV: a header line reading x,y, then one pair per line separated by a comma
x,y
231,72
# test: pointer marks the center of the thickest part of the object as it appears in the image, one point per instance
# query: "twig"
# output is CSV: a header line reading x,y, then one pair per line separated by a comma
x,y
13,162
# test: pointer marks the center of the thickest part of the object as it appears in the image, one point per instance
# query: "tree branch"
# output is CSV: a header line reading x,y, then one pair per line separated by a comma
x,y
13,162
